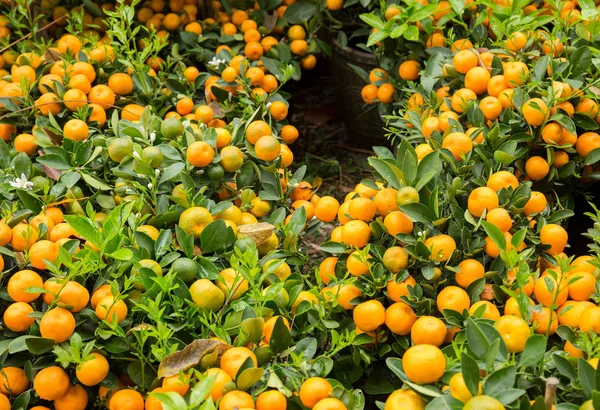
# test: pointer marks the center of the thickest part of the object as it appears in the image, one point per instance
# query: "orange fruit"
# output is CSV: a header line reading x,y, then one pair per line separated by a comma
x,y
424,364
356,265
126,399
428,330
537,168
221,379
330,403
536,203
458,143
470,271
581,285
398,289
589,320
178,383
395,259
441,246
327,208
76,398
23,237
400,318
51,383
234,358
356,233
404,399
409,70
271,400
570,312
535,111
555,236
500,218
20,282
92,370
120,83
397,222
200,154
477,79
465,60
236,400
16,317
481,199
490,312
369,315
327,269
57,324
514,331
102,95
586,143
313,390
267,148
453,298
42,252
109,309
13,381
545,322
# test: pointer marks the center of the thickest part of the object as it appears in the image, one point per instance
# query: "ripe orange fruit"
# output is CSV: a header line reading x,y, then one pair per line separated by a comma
x,y
236,400
535,111
581,285
537,168
459,390
397,222
42,252
477,79
16,317
409,70
441,246
13,381
356,233
502,179
453,298
464,61
23,237
514,331
313,390
221,379
109,309
536,203
545,322
330,403
126,399
500,218
76,398
481,199
369,315
424,364
92,370
458,143
428,330
470,271
51,383
355,264
327,269
234,358
404,399
586,143
398,289
102,95
120,83
177,383
517,41
369,93
400,318
267,148
25,143
20,282
570,312
327,208
589,320
515,74
555,236
200,154
271,400
461,100
57,324
490,311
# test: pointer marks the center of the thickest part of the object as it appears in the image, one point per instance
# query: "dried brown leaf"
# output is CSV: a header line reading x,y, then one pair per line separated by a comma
x,y
270,21
259,232
190,356
52,55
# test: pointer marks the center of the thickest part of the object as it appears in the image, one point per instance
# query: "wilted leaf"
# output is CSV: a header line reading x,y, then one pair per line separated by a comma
x,y
51,55
270,21
259,232
218,109
139,328
190,356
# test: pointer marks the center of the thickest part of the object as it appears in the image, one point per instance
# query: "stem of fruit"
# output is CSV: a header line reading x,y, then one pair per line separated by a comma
x,y
551,385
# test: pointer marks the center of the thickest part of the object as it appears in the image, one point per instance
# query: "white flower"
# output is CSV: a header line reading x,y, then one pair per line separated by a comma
x,y
136,155
230,96
186,124
22,183
150,185
269,104
215,62
157,171
140,175
152,136
295,185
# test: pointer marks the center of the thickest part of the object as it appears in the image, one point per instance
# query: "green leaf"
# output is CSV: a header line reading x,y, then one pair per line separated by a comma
x,y
213,237
428,169
418,213
171,400
373,21
499,381
248,378
534,351
411,33
408,160
186,241
565,367
539,71
39,345
390,173
580,61
300,12
171,172
495,233
422,13
201,390
54,161
281,338
592,157
95,182
587,377
470,372
377,37
476,338
85,228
